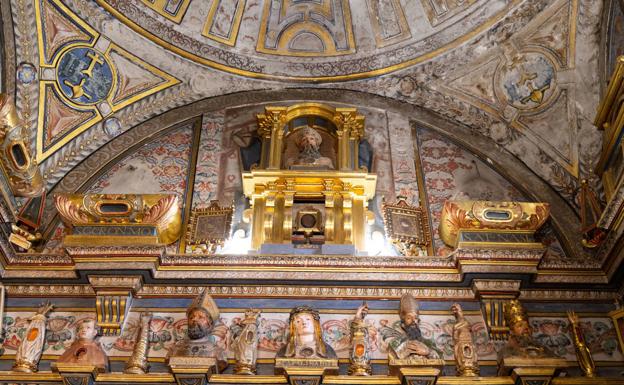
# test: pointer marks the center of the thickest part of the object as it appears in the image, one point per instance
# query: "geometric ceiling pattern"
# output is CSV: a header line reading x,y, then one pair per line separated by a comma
x,y
84,78
518,74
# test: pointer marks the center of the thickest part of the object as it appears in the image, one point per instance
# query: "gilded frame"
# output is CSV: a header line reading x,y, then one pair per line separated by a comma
x,y
407,227
209,226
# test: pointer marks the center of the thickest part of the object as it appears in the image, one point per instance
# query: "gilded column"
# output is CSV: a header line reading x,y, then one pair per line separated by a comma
x,y
359,222
347,219
257,237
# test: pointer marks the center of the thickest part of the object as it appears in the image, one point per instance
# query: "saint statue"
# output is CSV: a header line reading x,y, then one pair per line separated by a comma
x,y
305,339
308,142
411,343
85,350
521,342
360,349
585,360
246,344
463,346
201,341
29,351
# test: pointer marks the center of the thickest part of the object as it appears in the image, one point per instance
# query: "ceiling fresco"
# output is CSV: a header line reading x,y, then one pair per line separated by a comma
x,y
309,40
518,75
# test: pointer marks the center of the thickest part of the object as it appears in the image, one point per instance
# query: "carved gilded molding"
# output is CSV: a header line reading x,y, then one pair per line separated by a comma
x,y
50,290
38,259
290,267
306,291
328,261
112,282
78,251
496,285
283,291
566,295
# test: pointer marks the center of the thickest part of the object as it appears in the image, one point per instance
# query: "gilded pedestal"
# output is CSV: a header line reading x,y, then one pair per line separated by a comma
x,y
73,374
418,375
305,371
193,370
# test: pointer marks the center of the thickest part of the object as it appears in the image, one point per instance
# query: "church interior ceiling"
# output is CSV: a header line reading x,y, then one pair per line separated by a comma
x,y
431,103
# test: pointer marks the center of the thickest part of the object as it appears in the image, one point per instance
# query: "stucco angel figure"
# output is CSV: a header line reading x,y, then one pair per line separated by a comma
x,y
407,341
308,142
305,338
205,333
246,343
29,351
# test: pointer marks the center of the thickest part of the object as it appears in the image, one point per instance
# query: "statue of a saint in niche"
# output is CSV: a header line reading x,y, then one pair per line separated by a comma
x,y
86,350
308,142
305,338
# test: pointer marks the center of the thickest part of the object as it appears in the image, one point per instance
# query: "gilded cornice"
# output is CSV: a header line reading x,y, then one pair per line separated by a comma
x,y
103,282
36,259
51,290
327,261
293,267
569,264
555,276
306,291
115,250
566,295
333,292
496,285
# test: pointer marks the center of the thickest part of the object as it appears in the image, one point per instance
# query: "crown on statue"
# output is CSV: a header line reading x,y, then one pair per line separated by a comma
x,y
304,309
514,312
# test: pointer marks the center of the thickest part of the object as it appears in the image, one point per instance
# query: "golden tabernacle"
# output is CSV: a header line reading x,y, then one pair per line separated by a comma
x,y
309,162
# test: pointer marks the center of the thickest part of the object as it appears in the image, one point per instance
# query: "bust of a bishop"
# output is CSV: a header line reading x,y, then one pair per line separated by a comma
x,y
85,350
411,343
521,342
200,340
